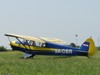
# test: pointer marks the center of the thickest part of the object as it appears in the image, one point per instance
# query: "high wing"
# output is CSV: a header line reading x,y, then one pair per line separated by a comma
x,y
25,37
41,39
54,40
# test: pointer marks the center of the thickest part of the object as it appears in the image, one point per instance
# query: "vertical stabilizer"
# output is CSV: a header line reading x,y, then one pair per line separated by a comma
x,y
89,46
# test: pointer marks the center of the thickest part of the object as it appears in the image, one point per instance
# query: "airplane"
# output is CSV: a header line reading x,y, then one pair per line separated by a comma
x,y
32,46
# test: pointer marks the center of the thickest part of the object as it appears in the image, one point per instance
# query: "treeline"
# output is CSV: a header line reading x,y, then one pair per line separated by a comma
x,y
98,48
2,48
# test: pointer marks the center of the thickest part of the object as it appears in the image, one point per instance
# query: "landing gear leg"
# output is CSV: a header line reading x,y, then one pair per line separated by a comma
x,y
26,55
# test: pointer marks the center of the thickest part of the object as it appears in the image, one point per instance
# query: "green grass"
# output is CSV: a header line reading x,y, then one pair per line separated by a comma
x,y
12,64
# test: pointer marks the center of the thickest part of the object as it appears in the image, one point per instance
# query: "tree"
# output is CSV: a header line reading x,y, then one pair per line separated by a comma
x,y
72,45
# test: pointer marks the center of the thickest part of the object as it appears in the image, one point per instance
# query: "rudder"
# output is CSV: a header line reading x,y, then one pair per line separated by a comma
x,y
89,47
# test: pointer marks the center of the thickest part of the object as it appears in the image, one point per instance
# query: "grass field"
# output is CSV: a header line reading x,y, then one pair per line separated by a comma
x,y
12,64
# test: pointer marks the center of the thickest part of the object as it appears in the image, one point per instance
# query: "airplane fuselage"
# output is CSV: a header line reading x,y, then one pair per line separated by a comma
x,y
34,50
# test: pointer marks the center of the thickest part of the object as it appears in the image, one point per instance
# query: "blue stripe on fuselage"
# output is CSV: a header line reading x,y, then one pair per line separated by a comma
x,y
57,46
62,52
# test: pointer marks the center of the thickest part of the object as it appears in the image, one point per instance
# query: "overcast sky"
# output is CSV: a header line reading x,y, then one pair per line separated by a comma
x,y
62,19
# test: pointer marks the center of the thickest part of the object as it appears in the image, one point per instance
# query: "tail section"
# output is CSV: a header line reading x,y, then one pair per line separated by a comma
x,y
89,47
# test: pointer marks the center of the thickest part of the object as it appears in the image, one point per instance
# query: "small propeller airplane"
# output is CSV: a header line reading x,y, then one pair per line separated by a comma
x,y
32,46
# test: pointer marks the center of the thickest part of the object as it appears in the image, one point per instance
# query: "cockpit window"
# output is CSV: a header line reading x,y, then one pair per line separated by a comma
x,y
17,42
31,43
35,43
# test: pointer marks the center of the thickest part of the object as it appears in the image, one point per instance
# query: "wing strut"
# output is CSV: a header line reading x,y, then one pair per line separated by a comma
x,y
9,39
26,55
23,44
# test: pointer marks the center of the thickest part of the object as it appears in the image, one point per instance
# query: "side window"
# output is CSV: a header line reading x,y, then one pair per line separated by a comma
x,y
32,43
25,42
38,44
43,45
